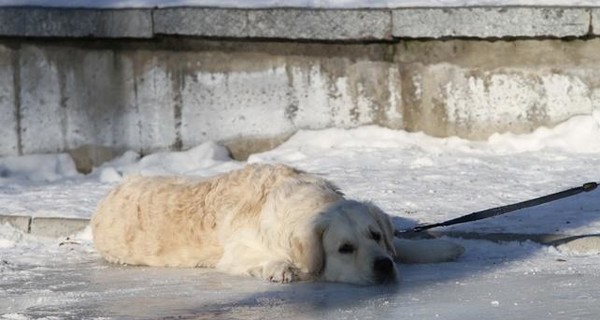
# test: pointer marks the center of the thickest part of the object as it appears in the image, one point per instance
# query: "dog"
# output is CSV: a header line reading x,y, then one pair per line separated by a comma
x,y
269,221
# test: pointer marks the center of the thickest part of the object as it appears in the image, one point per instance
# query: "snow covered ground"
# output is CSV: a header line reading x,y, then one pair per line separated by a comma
x,y
412,176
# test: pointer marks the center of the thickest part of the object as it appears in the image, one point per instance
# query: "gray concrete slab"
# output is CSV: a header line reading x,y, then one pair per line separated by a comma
x,y
74,85
595,21
306,23
201,22
9,127
495,22
21,223
320,24
12,22
51,22
56,227
274,23
39,104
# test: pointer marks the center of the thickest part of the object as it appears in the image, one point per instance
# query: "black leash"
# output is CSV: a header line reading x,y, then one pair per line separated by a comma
x,y
587,187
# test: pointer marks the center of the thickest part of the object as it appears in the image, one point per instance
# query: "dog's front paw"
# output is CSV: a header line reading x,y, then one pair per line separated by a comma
x,y
281,272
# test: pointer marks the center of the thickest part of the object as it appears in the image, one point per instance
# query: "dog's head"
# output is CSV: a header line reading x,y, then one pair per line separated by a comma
x,y
354,244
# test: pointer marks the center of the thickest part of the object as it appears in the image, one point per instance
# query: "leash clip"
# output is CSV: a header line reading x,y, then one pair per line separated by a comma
x,y
590,186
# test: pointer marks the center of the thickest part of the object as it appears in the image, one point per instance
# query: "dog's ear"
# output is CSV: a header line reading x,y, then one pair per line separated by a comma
x,y
308,252
385,224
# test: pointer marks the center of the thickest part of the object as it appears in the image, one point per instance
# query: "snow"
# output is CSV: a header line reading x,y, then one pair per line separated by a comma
x,y
414,177
292,3
207,159
50,167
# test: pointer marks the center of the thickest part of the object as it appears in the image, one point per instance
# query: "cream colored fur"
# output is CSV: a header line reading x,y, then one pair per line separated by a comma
x,y
269,221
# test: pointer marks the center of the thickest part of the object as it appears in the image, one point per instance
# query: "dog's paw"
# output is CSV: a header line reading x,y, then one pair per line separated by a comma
x,y
280,272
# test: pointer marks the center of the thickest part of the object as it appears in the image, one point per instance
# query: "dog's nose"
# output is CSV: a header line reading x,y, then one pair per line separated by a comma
x,y
383,266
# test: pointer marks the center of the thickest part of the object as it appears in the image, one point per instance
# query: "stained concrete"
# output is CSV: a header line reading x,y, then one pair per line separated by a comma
x,y
457,87
150,96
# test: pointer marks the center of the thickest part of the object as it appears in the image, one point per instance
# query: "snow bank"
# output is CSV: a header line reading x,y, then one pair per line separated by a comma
x,y
291,3
38,168
6,243
579,134
206,159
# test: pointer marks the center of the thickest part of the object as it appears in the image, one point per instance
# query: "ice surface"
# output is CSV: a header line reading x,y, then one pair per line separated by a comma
x,y
412,176
59,279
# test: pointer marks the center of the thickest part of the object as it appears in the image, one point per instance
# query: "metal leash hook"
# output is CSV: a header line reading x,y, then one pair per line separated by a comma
x,y
488,213
590,186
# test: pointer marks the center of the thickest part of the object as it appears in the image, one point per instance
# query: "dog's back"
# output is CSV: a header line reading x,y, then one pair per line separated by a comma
x,y
145,221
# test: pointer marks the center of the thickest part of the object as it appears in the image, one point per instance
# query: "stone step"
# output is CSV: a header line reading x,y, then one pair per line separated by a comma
x,y
302,23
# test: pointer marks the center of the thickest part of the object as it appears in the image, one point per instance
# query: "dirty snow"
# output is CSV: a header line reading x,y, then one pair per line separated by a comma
x,y
416,178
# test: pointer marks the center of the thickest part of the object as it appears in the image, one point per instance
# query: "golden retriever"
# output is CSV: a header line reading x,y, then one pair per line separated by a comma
x,y
268,221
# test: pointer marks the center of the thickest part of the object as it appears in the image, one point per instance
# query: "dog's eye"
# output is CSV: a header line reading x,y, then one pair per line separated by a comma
x,y
375,236
346,248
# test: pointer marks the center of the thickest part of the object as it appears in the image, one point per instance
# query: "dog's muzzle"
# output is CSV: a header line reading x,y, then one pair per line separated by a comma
x,y
384,270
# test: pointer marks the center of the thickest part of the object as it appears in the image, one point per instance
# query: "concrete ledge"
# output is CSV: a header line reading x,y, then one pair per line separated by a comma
x,y
491,22
201,22
46,227
306,24
57,227
320,24
75,23
21,223
275,23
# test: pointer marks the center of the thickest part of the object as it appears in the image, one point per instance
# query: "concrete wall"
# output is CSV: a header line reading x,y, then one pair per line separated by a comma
x,y
177,94
61,91
475,88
